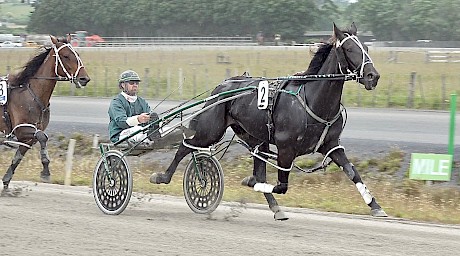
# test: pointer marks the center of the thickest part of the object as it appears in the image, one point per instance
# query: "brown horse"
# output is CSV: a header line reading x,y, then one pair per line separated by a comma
x,y
27,111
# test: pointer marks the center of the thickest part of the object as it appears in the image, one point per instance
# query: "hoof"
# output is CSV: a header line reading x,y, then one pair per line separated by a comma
x,y
279,215
158,178
45,178
8,192
249,181
378,213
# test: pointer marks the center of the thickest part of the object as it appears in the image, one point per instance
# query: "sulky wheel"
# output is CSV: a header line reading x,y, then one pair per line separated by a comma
x,y
203,183
112,187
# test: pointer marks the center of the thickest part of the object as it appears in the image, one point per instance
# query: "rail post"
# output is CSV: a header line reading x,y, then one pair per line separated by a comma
x,y
158,84
443,92
453,109
390,85
68,163
147,82
410,99
168,82
95,141
106,79
181,82
194,81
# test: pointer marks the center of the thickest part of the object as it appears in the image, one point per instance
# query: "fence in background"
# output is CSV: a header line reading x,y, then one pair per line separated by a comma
x,y
150,41
443,56
408,91
184,72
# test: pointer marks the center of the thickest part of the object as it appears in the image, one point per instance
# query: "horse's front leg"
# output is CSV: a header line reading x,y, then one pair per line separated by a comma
x,y
205,136
339,157
44,157
20,152
258,182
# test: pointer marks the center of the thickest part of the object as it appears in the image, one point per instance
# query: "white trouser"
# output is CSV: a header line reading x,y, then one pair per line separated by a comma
x,y
136,138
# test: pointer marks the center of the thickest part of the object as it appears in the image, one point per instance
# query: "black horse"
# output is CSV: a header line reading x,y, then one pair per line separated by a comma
x,y
306,118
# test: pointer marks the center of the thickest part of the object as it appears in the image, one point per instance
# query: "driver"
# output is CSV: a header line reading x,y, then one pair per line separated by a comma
x,y
129,112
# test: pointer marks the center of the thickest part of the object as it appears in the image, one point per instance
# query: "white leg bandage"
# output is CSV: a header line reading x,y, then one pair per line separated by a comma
x,y
263,187
365,193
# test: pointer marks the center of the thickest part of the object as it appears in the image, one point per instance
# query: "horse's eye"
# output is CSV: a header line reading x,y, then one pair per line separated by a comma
x,y
66,56
349,50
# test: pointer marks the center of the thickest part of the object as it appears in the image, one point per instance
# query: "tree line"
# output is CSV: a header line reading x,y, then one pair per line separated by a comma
x,y
409,20
387,19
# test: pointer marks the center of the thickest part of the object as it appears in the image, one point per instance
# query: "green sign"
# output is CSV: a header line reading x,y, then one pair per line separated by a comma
x,y
430,167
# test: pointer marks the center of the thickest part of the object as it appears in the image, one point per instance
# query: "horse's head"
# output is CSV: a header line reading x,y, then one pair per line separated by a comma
x,y
68,63
353,57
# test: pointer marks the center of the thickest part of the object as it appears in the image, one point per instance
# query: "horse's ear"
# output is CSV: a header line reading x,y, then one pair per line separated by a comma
x,y
353,30
68,38
338,34
53,39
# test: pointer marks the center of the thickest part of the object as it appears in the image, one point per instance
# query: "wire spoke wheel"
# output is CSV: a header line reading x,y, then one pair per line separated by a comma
x,y
203,183
112,188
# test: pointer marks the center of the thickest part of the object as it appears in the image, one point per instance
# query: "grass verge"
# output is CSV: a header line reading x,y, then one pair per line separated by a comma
x,y
326,191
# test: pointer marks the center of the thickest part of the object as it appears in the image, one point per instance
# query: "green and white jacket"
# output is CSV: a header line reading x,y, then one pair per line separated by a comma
x,y
121,110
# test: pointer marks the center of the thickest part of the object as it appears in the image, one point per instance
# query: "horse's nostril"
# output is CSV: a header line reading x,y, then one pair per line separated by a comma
x,y
372,76
84,79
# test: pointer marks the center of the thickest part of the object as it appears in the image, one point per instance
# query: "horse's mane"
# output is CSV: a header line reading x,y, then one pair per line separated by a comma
x,y
318,59
30,68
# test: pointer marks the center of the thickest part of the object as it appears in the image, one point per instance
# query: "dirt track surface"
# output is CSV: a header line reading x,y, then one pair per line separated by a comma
x,y
49,219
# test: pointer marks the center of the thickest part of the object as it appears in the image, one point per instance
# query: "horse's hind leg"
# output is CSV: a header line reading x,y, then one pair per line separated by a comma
x,y
44,157
206,134
158,178
20,152
339,157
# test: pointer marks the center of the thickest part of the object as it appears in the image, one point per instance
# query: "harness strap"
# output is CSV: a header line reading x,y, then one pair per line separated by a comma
x,y
273,92
6,118
13,142
320,120
36,99
43,108
255,153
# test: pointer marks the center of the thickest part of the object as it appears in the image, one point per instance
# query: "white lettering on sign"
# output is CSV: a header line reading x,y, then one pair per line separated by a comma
x,y
423,166
443,167
429,166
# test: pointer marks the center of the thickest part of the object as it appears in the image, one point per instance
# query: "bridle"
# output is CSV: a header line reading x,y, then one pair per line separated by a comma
x,y
366,59
70,77
59,63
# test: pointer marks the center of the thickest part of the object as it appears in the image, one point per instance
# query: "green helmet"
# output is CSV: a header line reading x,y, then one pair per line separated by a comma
x,y
128,75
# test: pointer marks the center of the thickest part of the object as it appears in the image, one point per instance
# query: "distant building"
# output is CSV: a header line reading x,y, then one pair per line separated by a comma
x,y
10,37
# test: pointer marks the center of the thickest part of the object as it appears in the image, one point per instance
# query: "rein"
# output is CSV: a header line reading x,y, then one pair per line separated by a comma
x,y
329,77
57,78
